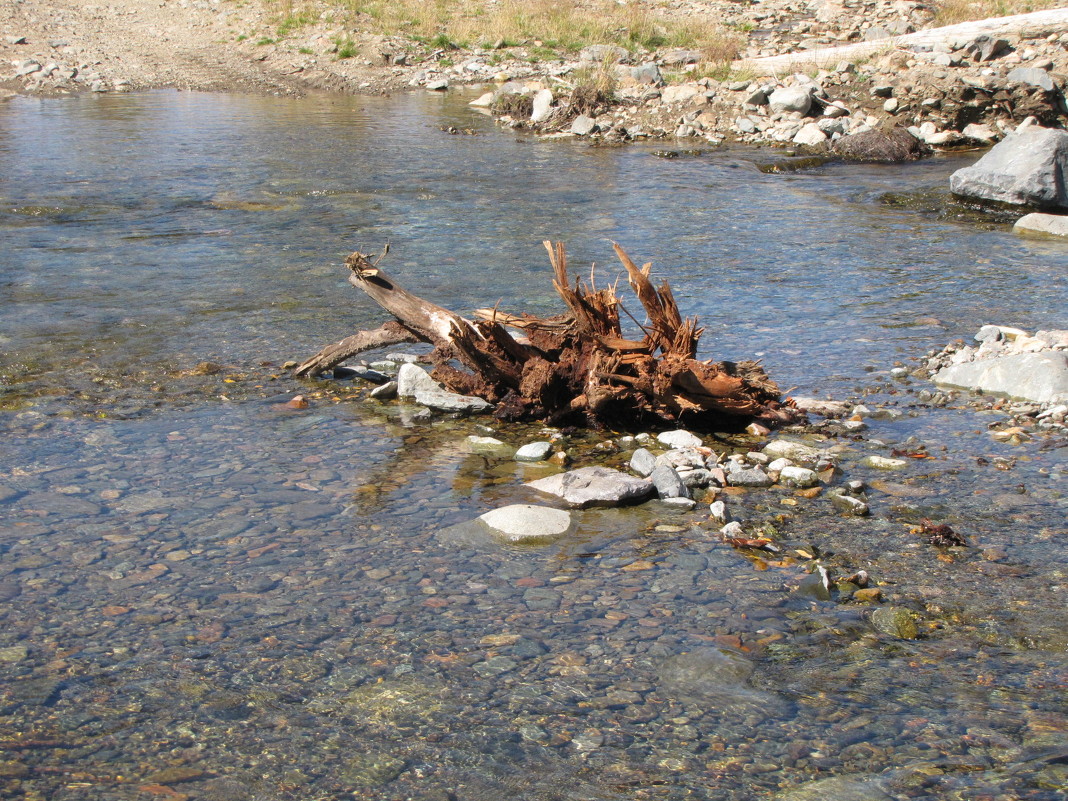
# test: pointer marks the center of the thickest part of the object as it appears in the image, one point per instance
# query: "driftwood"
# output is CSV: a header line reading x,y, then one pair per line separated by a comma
x,y
575,366
1032,24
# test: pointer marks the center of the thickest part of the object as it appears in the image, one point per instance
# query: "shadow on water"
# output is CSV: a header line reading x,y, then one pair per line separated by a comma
x,y
207,594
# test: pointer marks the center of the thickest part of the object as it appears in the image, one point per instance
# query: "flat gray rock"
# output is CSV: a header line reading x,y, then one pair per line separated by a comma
x,y
595,486
1028,167
1039,377
824,408
1032,76
522,522
443,401
715,677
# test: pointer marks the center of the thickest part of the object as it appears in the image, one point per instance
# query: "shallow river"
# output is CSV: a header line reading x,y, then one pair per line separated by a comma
x,y
206,595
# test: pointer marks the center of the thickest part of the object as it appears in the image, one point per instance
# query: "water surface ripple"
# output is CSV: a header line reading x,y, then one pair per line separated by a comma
x,y
205,595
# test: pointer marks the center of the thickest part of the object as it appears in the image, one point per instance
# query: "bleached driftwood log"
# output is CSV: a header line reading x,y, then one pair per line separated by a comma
x,y
1053,20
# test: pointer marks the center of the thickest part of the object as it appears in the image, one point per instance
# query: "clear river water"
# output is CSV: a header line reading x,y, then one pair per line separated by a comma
x,y
206,595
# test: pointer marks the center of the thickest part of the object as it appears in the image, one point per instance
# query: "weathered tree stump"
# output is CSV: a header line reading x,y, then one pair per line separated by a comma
x,y
574,367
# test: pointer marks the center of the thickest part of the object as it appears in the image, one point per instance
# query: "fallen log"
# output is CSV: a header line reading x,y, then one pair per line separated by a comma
x,y
1033,24
575,366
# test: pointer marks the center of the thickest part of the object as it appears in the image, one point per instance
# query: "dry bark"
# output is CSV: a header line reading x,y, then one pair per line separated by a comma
x,y
578,365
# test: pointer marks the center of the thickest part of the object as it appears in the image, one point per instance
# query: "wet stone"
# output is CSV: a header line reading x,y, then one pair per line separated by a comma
x,y
642,462
34,692
838,788
541,598
13,654
371,769
495,665
224,789
895,621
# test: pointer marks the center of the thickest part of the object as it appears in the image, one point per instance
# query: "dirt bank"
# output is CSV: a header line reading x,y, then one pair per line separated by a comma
x,y
50,47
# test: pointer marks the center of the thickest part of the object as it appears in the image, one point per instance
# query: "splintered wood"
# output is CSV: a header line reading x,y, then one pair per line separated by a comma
x,y
574,367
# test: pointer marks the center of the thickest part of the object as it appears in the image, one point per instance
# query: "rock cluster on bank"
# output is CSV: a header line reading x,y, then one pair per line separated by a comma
x,y
967,92
1009,361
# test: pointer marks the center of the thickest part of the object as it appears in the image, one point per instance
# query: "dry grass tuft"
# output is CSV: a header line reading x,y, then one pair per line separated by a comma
x,y
514,104
950,12
555,25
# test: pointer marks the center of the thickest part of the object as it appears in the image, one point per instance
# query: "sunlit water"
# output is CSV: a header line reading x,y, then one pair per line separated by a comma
x,y
202,591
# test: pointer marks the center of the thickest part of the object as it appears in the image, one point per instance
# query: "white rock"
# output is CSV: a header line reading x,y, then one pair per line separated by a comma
x,y
883,462
484,101
543,102
412,379
811,135
534,452
732,529
528,523
1039,377
980,133
718,512
1042,224
679,439
793,476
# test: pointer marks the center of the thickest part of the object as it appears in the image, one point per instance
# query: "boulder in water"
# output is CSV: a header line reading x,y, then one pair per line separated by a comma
x,y
889,145
1027,168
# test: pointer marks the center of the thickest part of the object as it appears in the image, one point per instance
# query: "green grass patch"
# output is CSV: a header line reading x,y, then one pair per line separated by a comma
x,y
346,48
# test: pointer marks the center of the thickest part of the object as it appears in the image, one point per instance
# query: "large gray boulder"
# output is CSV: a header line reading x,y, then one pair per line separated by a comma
x,y
790,98
595,486
1039,377
1027,168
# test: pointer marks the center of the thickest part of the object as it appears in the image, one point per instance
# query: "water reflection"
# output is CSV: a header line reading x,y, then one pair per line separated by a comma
x,y
205,592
